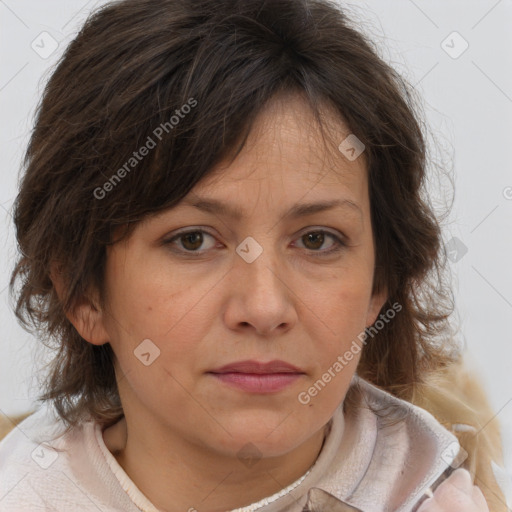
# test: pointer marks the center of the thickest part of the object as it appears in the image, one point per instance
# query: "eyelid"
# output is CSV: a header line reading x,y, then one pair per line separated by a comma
x,y
340,240
167,240
323,229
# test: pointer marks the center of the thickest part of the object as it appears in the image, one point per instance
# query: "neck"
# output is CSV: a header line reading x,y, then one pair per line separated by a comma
x,y
179,475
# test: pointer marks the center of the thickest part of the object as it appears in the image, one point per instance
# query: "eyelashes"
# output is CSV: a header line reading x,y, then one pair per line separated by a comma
x,y
338,245
194,242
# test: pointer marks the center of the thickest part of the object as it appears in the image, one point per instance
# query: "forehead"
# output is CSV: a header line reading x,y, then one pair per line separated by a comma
x,y
287,150
286,168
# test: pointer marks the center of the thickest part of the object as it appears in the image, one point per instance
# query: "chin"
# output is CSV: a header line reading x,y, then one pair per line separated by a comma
x,y
249,449
266,435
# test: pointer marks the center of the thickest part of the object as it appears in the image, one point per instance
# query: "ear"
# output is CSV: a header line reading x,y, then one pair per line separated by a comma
x,y
377,300
86,316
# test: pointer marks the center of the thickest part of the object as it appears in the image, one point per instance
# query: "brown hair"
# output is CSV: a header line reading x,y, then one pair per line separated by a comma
x,y
130,72
130,67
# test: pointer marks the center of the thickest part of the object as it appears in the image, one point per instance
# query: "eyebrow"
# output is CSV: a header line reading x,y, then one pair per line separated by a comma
x,y
299,210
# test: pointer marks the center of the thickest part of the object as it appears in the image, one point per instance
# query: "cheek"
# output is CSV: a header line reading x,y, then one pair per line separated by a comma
x,y
154,305
337,316
142,292
338,345
343,299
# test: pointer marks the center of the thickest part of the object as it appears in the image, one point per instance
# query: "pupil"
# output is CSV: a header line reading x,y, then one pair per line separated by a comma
x,y
191,236
318,237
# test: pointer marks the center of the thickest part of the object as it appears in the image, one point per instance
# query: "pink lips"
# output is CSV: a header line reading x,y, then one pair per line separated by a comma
x,y
256,377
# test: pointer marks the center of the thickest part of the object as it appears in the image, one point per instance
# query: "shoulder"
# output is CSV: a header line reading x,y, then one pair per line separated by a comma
x,y
397,418
424,441
22,453
411,450
37,460
26,443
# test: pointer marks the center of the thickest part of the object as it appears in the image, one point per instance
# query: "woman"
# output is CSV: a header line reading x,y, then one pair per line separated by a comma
x,y
223,233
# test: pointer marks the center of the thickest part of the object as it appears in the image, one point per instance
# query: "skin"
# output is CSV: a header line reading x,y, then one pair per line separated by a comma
x,y
456,494
206,311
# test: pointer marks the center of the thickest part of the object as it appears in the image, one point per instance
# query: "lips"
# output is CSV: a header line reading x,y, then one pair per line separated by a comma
x,y
258,368
258,378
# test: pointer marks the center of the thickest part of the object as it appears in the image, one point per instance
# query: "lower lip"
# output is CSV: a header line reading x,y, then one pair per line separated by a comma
x,y
258,383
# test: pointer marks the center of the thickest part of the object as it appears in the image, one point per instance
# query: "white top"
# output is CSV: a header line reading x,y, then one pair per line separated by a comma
x,y
363,461
33,476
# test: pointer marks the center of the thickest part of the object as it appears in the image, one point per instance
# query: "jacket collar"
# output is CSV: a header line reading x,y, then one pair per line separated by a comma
x,y
382,454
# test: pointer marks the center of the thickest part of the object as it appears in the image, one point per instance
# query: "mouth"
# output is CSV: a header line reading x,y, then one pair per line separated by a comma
x,y
257,377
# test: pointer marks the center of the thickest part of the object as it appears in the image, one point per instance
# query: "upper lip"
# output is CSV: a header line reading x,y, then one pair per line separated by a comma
x,y
250,366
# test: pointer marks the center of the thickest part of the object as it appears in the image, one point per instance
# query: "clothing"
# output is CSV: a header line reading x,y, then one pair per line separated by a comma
x,y
374,461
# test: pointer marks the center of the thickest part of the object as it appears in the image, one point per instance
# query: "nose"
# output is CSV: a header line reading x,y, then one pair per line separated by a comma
x,y
260,296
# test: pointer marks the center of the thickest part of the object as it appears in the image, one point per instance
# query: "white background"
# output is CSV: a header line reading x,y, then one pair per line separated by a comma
x,y
468,104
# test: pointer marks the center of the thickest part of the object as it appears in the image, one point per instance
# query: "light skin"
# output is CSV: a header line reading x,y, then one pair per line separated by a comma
x,y
456,494
183,428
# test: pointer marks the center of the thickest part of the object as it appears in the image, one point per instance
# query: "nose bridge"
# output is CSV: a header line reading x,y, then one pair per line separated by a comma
x,y
261,296
260,267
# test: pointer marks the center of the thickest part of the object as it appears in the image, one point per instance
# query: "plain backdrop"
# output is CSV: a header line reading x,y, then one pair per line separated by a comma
x,y
457,54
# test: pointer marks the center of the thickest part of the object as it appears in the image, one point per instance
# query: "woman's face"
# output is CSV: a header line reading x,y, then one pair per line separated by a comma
x,y
263,284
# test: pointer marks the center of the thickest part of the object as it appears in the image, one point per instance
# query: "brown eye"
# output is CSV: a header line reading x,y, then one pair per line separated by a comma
x,y
314,240
190,242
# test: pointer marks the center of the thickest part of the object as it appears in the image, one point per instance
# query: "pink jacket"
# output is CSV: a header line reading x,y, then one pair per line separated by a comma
x,y
383,455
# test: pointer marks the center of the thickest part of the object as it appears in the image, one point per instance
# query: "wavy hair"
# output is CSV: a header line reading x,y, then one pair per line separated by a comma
x,y
133,66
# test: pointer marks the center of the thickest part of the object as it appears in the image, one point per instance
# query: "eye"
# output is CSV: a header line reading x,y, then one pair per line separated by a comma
x,y
189,242
315,239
